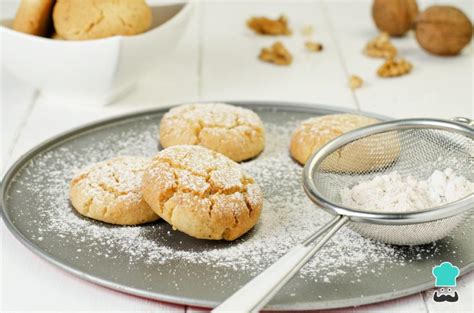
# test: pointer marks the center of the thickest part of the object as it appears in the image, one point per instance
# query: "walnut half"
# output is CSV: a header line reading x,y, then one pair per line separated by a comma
x,y
277,54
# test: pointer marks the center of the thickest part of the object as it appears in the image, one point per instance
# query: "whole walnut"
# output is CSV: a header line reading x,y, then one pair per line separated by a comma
x,y
395,17
443,30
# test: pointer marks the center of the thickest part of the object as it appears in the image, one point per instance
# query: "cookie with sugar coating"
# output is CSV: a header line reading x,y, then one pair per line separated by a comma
x,y
110,191
202,193
93,19
34,17
315,132
236,132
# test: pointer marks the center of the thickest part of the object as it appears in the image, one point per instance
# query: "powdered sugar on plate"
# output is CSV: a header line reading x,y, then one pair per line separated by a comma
x,y
288,216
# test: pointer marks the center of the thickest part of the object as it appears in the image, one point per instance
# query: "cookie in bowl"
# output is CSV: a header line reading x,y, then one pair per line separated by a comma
x,y
96,71
109,191
202,193
93,19
235,132
34,17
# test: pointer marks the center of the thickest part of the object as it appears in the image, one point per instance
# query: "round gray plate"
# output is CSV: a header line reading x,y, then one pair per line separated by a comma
x,y
185,282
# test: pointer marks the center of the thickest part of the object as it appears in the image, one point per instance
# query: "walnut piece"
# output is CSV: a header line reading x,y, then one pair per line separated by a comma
x,y
307,30
355,82
394,67
313,46
380,47
277,54
266,26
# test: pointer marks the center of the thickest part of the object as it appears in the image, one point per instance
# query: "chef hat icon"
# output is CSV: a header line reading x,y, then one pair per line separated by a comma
x,y
445,275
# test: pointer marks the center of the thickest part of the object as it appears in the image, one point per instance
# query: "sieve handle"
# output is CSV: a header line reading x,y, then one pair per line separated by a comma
x,y
256,293
463,120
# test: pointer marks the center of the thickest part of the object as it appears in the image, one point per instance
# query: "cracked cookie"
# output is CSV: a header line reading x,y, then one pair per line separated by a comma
x,y
315,132
202,193
233,131
109,191
93,19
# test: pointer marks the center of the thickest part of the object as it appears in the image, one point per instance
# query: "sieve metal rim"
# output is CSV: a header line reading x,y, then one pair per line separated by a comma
x,y
390,218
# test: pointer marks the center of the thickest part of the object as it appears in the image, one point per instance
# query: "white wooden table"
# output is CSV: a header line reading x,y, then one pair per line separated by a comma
x,y
217,60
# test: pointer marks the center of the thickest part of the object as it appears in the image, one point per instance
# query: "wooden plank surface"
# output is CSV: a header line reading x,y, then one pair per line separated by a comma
x,y
231,70
17,102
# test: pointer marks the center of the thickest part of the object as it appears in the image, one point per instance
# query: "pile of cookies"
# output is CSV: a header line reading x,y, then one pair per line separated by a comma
x,y
82,19
195,183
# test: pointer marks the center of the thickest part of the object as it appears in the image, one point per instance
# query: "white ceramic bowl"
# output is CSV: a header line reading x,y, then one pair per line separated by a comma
x,y
92,71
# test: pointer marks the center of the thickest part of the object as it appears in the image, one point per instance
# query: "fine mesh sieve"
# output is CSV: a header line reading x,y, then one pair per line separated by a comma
x,y
415,147
411,147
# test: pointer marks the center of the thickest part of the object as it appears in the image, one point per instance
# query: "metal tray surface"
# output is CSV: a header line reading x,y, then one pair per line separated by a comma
x,y
27,214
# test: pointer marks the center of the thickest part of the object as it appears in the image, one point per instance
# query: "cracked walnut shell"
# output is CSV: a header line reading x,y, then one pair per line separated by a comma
x,y
233,131
202,193
395,17
380,47
443,30
266,26
394,67
277,54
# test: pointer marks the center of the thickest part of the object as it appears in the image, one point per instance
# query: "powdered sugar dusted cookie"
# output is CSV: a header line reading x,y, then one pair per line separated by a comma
x,y
202,193
315,132
109,191
233,131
